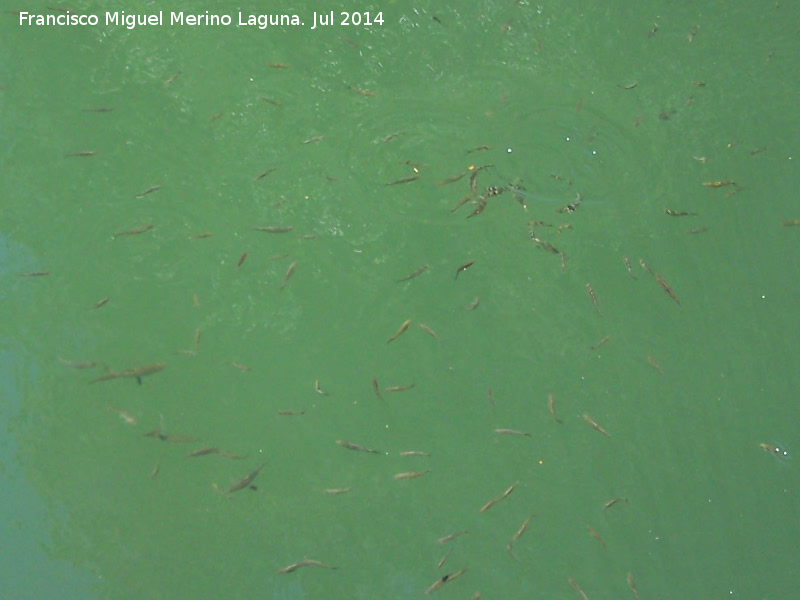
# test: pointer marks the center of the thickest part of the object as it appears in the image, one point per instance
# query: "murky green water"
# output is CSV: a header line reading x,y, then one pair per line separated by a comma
x,y
614,103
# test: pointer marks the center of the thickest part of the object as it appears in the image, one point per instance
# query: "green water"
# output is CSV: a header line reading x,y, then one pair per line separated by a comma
x,y
97,509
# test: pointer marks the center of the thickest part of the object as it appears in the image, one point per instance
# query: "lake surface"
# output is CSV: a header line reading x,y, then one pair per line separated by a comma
x,y
630,199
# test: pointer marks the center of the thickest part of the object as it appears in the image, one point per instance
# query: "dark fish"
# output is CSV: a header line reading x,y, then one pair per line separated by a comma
x,y
464,267
136,373
245,481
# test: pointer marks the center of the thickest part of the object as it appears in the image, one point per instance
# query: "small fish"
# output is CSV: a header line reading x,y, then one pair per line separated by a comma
x,y
473,305
632,585
336,491
35,274
452,178
245,481
523,528
464,267
391,136
665,286
305,563
99,109
791,223
356,447
362,91
403,180
593,424
428,330
399,388
679,213
99,303
241,259
277,65
416,273
83,153
313,139
596,535
150,190
291,413
125,416
135,372
478,149
494,501
135,231
318,389
482,202
156,469
593,297
551,406
239,366
777,451
410,474
261,176
627,264
289,273
601,342
612,502
274,229
717,184
451,537
271,101
512,432
376,389
414,453
443,560
444,579
572,207
172,79
462,202
400,331
653,362
578,588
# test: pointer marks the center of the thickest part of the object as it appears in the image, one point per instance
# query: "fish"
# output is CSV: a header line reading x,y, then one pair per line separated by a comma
x,y
376,389
428,330
653,362
124,415
512,432
83,153
444,579
313,139
416,273
408,179
523,528
306,562
632,585
265,173
277,65
612,502
400,331
717,184
289,273
452,178
596,535
451,537
593,297
362,91
336,491
464,267
482,202
399,388
99,303
462,202
135,231
134,372
494,501
578,588
777,451
274,229
474,304
291,413
679,213
391,136
150,190
665,286
318,389
414,453
593,424
601,342
241,259
410,474
99,109
245,481
356,447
